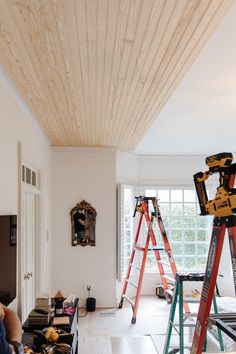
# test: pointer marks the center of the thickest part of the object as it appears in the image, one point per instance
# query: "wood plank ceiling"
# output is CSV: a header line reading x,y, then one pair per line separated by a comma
x,y
98,72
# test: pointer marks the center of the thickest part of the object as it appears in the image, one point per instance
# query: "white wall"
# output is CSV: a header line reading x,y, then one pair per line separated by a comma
x,y
158,169
169,169
126,167
88,174
17,124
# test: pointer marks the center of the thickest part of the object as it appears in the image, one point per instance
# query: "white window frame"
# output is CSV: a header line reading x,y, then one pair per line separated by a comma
x,y
207,220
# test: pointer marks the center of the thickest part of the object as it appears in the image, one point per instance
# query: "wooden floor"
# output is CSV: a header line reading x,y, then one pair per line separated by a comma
x,y
109,331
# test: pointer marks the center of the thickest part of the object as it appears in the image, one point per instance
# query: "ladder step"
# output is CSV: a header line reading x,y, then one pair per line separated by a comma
x,y
156,248
191,301
142,248
190,315
164,263
168,278
136,267
133,284
189,346
184,325
139,247
129,300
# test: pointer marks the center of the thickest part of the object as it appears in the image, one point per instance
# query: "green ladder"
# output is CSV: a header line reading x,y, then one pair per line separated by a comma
x,y
178,297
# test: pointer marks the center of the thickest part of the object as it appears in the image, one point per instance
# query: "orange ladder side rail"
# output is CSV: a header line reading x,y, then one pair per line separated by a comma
x,y
140,281
131,260
208,289
157,253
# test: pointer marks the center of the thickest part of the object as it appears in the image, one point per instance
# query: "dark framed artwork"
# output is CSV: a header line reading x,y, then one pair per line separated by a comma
x,y
13,230
83,224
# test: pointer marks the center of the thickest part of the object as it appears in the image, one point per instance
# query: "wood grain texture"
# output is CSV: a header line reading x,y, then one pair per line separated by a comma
x,y
98,72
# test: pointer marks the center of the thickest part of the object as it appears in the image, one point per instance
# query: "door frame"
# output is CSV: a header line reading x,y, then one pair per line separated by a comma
x,y
37,192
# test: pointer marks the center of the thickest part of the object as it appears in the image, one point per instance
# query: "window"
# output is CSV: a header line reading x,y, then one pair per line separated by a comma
x,y
188,232
29,176
128,225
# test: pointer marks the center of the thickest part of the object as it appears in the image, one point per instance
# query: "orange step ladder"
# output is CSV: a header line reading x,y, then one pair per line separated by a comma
x,y
217,239
223,207
144,205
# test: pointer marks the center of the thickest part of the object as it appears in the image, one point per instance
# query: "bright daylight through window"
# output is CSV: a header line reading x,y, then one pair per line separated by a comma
x,y
188,232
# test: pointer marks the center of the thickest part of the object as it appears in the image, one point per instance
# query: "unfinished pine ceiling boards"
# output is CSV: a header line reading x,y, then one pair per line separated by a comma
x,y
98,73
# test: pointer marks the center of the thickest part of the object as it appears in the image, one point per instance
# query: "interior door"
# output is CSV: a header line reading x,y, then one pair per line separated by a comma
x,y
28,243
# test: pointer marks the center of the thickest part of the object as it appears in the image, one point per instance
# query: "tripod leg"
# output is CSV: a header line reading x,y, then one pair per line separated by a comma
x,y
209,283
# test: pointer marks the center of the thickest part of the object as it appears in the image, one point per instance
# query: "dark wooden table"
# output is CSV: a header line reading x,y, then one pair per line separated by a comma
x,y
72,327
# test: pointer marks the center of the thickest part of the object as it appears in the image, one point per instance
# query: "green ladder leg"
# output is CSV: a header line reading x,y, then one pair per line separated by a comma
x,y
178,296
218,330
171,318
181,318
178,293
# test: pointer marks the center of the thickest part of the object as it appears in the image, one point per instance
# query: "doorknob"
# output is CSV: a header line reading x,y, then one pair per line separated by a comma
x,y
28,275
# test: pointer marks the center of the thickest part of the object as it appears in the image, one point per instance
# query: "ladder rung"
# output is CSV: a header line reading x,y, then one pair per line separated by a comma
x,y
184,324
168,278
139,247
190,315
189,346
156,248
164,262
136,267
133,284
129,300
191,301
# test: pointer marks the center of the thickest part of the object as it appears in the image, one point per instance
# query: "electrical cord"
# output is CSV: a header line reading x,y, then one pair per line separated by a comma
x,y
80,307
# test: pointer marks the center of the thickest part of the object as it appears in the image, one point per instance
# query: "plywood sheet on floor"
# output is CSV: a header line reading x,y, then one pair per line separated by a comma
x,y
159,342
94,345
133,345
98,329
152,318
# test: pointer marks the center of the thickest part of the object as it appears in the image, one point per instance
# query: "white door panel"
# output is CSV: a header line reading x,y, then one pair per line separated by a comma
x,y
28,249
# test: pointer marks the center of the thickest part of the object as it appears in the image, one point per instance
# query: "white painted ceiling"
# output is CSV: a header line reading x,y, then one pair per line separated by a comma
x,y
200,116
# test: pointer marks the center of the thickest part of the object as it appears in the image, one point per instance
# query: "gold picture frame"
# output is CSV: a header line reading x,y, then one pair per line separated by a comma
x,y
83,222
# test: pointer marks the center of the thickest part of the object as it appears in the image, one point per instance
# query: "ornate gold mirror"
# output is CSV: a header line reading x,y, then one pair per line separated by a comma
x,y
83,221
